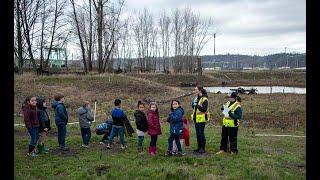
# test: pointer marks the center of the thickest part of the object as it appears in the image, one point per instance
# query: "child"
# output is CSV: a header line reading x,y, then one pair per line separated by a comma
x,y
185,136
105,130
85,118
118,118
142,125
176,127
44,123
154,128
61,120
32,122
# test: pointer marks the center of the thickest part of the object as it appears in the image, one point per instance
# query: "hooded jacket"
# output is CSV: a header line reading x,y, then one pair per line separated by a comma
x,y
42,114
175,120
30,117
141,121
85,117
118,116
61,114
154,127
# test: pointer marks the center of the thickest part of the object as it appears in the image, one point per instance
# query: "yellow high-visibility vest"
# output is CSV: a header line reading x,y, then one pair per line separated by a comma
x,y
228,121
201,116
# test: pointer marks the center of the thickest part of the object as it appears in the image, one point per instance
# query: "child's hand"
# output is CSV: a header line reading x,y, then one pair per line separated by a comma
x,y
45,129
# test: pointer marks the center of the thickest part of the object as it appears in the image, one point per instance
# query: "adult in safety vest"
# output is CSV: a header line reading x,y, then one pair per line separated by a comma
x,y
200,116
232,114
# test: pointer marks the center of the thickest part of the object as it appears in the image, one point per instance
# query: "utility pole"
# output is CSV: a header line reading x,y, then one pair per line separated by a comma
x,y
214,50
285,52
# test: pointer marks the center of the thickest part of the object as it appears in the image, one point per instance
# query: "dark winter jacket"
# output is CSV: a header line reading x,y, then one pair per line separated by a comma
x,y
85,117
118,116
175,120
43,116
141,121
30,117
154,127
61,114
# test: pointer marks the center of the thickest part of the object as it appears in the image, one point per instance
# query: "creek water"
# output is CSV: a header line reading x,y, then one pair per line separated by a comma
x,y
260,89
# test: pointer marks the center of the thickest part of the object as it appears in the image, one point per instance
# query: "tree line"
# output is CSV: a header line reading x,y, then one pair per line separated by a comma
x,y
107,35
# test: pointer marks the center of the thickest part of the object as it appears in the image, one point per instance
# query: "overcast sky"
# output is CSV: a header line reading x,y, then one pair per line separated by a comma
x,y
255,27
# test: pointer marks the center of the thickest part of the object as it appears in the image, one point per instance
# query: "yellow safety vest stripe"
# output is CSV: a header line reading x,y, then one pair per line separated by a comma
x,y
228,121
201,116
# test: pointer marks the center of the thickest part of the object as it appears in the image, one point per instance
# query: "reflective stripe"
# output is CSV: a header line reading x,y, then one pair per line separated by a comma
x,y
201,116
228,121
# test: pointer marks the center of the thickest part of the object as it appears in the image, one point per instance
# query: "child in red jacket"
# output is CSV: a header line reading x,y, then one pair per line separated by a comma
x,y
185,136
32,123
154,128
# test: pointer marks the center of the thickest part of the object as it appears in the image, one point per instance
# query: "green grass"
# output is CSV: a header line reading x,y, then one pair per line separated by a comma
x,y
258,158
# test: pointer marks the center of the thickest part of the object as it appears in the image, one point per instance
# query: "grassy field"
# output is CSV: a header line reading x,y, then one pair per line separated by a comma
x,y
233,78
259,157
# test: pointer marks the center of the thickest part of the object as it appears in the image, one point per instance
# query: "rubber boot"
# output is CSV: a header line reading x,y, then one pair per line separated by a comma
x,y
40,149
46,150
197,150
150,150
153,151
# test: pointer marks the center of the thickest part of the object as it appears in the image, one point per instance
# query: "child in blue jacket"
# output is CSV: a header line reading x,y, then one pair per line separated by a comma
x,y
61,120
176,127
118,118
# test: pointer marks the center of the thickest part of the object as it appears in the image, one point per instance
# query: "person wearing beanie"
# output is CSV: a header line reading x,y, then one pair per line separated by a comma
x,y
232,114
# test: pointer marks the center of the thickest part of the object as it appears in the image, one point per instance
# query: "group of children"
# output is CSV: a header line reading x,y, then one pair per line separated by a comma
x,y
38,124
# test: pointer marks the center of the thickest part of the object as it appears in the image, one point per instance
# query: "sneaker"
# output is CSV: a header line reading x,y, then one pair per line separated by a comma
x,y
201,151
85,146
102,143
123,147
33,154
179,154
233,153
152,154
196,150
168,153
108,146
220,152
64,148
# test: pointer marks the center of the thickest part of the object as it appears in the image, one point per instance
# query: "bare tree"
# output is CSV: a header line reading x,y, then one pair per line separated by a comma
x,y
29,15
165,32
79,36
18,39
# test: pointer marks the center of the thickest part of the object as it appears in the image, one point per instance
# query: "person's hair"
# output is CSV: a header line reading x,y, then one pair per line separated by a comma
x,y
238,98
140,103
172,103
204,92
58,97
117,102
199,87
85,103
155,104
27,100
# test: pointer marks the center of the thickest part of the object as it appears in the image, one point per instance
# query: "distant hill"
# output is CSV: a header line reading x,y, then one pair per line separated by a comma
x,y
233,61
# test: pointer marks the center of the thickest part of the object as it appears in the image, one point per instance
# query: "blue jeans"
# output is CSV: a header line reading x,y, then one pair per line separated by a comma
x,y
201,139
34,134
117,131
62,132
86,135
140,140
176,138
